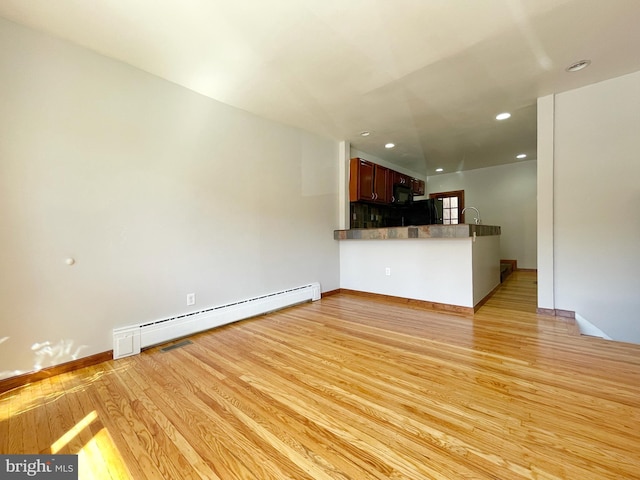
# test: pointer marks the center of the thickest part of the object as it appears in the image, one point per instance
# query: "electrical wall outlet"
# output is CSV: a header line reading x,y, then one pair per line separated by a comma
x,y
191,299
387,271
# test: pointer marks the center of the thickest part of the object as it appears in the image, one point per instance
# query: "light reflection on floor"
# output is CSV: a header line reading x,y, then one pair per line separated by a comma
x,y
23,403
100,459
98,455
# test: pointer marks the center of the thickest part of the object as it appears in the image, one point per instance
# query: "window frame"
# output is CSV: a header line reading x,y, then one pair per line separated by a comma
x,y
453,193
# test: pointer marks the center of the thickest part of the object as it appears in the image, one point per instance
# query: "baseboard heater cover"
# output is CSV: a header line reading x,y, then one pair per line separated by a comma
x,y
131,339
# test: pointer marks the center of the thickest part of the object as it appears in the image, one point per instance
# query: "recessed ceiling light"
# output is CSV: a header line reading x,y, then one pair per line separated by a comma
x,y
522,155
439,169
503,116
365,133
577,66
390,145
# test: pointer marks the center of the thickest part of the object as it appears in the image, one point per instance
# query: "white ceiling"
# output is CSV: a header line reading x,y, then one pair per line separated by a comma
x,y
427,75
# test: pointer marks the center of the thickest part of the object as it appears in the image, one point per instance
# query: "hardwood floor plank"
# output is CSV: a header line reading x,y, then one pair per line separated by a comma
x,y
28,404
116,414
245,433
295,375
413,426
142,393
209,434
14,426
101,452
42,432
336,450
299,433
91,444
80,417
352,387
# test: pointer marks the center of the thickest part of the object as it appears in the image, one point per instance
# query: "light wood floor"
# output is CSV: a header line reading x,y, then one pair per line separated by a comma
x,y
351,388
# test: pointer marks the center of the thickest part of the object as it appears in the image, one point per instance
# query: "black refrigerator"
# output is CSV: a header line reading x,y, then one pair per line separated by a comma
x,y
424,212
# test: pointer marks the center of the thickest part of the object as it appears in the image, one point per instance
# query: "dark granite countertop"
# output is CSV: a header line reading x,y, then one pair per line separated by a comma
x,y
464,230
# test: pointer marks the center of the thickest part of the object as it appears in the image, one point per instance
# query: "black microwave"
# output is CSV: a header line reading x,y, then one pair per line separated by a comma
x,y
402,194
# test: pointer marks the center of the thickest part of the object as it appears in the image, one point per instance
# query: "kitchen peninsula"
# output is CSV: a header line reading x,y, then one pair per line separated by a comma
x,y
445,267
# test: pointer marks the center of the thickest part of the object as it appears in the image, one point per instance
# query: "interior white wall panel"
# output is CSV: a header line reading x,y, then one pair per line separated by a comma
x,y
436,269
597,205
505,196
154,190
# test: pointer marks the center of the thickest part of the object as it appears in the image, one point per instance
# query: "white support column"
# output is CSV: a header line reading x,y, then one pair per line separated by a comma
x,y
546,125
343,184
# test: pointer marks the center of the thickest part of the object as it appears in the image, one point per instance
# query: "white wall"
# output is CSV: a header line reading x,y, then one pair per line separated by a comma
x,y
597,205
452,271
486,266
154,190
546,107
434,269
505,196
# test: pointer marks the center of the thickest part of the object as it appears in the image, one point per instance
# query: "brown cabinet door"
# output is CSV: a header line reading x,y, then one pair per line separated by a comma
x,y
417,186
381,190
391,179
365,181
369,182
401,178
361,173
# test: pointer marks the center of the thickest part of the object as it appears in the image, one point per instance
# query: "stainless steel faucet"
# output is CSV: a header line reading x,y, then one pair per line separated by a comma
x,y
477,219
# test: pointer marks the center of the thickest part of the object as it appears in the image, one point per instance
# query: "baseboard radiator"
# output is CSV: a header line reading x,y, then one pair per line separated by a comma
x,y
131,339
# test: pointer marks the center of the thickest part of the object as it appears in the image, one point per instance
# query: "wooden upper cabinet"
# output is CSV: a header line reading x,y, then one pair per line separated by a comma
x,y
417,186
360,180
373,183
401,178
381,187
368,182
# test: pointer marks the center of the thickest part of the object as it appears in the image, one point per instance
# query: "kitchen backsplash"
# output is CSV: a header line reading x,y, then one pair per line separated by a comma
x,y
364,215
